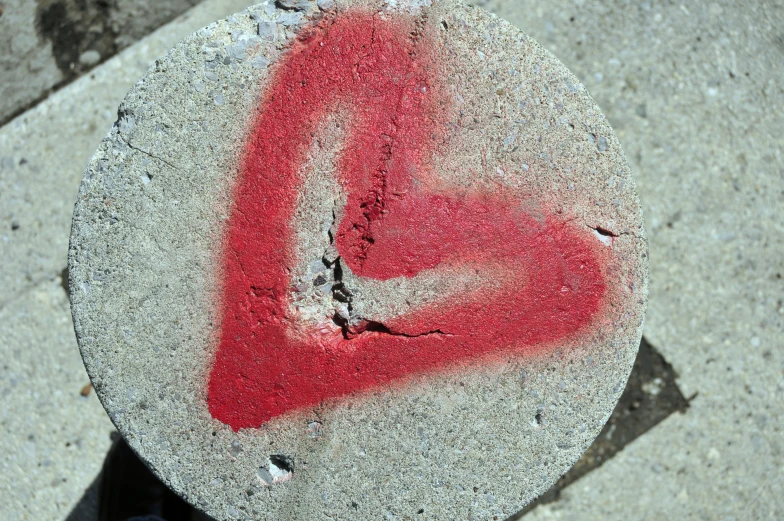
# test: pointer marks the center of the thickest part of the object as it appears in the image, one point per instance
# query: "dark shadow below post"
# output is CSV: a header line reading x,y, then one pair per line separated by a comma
x,y
650,396
126,488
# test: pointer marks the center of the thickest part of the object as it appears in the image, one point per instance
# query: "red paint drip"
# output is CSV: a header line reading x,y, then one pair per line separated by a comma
x,y
550,283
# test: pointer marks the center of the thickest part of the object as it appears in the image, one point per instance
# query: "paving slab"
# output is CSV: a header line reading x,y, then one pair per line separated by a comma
x,y
55,432
44,151
305,261
55,439
693,91
46,44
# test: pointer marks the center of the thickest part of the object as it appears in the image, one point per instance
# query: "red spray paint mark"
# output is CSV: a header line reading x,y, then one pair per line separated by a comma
x,y
550,282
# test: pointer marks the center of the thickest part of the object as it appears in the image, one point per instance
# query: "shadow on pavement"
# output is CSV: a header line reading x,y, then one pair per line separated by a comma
x,y
126,488
650,396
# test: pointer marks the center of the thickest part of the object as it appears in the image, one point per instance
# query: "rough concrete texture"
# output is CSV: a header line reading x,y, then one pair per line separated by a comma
x,y
674,105
48,147
694,92
53,439
27,66
47,43
475,442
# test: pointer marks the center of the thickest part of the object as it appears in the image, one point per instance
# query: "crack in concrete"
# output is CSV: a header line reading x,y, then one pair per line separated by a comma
x,y
374,204
605,232
351,324
149,154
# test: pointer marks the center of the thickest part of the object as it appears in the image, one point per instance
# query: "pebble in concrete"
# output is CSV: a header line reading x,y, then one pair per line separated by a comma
x,y
358,259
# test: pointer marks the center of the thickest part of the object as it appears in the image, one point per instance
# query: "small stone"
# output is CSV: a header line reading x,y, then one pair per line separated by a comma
x,y
267,30
90,58
342,311
653,387
264,476
325,5
317,266
235,449
290,19
238,51
86,390
298,5
314,429
260,62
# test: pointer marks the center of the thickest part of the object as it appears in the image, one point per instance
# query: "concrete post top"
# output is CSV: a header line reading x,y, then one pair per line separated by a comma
x,y
361,260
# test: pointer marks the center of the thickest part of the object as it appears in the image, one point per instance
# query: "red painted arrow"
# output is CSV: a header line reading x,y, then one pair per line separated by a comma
x,y
550,282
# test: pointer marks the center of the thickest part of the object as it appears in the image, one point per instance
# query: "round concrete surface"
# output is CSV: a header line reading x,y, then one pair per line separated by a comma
x,y
358,260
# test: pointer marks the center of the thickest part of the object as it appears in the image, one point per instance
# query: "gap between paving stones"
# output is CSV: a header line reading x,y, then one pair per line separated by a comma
x,y
67,126
47,44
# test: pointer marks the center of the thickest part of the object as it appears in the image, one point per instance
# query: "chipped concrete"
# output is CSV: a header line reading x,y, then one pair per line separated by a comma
x,y
144,274
673,100
694,93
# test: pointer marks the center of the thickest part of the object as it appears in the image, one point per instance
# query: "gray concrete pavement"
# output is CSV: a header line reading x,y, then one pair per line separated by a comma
x,y
694,93
53,439
47,43
43,154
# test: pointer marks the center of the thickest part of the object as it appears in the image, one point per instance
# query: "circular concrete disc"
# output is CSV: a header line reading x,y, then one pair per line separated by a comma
x,y
359,260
